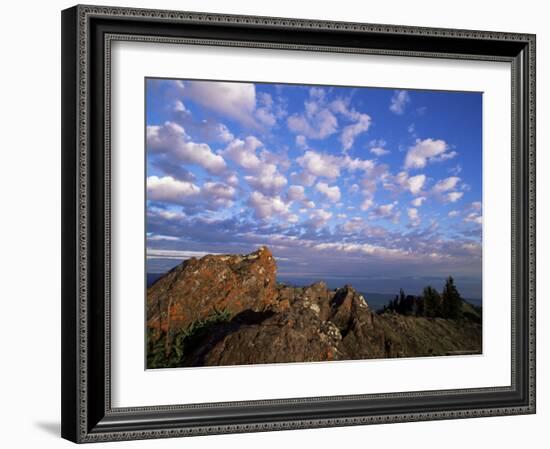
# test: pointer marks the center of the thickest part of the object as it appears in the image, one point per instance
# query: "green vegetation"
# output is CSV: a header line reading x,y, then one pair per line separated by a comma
x,y
449,304
171,354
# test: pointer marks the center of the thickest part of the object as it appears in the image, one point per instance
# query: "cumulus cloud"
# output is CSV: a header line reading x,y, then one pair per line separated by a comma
x,y
171,139
233,100
367,204
170,189
301,141
403,182
424,151
266,207
417,202
317,121
319,164
331,193
218,190
453,197
210,196
399,101
415,183
243,152
476,205
379,151
453,213
296,193
446,184
267,179
350,132
473,217
386,211
263,173
413,215
319,218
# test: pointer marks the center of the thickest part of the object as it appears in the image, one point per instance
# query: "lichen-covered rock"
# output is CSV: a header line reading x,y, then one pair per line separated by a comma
x,y
197,287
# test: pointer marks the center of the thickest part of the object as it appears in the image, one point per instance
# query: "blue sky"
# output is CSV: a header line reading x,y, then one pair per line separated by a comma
x,y
377,188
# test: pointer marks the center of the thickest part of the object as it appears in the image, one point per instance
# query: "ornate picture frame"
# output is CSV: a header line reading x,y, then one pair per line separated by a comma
x,y
88,33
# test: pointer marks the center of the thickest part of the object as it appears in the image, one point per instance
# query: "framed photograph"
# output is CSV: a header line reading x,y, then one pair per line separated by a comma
x,y
276,224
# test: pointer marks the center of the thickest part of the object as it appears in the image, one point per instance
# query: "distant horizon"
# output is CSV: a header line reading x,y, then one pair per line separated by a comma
x,y
371,187
414,288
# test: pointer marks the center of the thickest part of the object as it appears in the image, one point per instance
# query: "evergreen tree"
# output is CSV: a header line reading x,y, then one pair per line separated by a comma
x,y
432,302
451,300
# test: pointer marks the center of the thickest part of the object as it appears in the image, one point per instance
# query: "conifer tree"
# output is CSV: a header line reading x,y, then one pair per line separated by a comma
x,y
451,300
432,302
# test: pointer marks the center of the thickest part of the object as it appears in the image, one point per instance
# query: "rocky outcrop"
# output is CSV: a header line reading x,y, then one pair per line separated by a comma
x,y
197,287
266,322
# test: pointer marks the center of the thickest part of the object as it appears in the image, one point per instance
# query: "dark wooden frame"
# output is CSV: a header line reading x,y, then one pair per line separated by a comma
x,y
87,32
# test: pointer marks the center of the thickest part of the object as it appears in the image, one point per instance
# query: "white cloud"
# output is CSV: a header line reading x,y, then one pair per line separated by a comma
x,y
318,164
317,123
304,177
361,122
367,204
399,101
233,100
453,213
402,182
350,132
444,156
379,151
446,184
267,179
153,253
243,152
361,248
386,211
476,205
301,141
180,107
263,174
417,202
160,237
169,189
224,134
415,183
296,193
218,190
232,180
266,207
473,217
293,218
319,218
456,170
165,214
356,164
266,117
331,193
413,215
171,139
453,197
424,151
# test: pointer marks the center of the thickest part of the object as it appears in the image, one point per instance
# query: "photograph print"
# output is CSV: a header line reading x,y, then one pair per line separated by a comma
x,y
310,223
